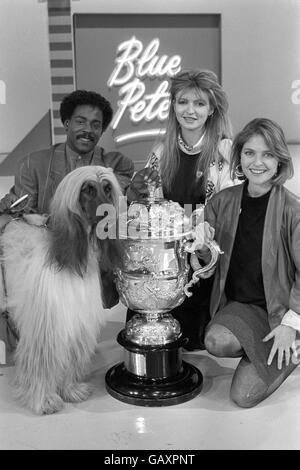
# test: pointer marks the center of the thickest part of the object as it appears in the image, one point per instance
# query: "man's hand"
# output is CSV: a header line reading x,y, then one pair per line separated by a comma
x,y
139,187
13,205
7,201
4,219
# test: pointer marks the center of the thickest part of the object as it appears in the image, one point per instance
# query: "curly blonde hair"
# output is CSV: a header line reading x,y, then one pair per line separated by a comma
x,y
217,126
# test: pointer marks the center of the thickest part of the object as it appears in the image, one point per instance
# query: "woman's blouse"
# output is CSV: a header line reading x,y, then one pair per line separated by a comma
x,y
244,282
187,187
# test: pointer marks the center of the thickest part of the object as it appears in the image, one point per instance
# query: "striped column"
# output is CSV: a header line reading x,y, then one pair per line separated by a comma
x,y
61,60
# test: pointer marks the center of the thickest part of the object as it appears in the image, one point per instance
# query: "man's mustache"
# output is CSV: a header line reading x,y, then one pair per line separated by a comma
x,y
86,135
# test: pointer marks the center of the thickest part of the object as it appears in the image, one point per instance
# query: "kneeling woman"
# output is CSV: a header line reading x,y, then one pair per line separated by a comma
x,y
255,301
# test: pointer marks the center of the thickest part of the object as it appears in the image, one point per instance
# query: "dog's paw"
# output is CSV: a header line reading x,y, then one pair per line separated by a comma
x,y
77,392
51,404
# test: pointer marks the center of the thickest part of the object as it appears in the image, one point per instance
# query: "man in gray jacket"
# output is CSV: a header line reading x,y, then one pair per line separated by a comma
x,y
85,116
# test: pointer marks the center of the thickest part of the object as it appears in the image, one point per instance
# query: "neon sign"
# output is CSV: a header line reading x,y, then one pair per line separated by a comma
x,y
133,63
136,135
2,92
296,94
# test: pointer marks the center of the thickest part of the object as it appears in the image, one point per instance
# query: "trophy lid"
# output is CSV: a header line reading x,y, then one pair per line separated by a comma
x,y
156,219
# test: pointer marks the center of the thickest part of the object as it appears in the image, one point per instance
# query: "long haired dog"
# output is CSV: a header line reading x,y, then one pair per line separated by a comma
x,y
53,290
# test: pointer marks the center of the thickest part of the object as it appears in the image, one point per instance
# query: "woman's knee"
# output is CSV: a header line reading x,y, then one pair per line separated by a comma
x,y
247,398
212,343
247,388
219,341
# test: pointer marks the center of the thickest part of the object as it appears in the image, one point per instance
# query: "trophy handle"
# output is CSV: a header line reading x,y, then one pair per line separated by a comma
x,y
206,271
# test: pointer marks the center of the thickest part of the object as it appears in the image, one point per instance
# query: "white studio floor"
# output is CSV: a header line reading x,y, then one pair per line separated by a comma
x,y
210,421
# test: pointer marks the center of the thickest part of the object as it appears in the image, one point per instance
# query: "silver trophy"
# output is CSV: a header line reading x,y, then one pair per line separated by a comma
x,y
154,278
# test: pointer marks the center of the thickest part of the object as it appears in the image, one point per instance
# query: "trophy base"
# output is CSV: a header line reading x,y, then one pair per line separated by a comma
x,y
153,375
136,390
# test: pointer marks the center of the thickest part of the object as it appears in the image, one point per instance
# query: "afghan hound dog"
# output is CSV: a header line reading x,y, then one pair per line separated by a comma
x,y
51,289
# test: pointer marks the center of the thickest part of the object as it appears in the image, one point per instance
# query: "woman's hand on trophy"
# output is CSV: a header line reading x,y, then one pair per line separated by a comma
x,y
195,263
203,234
205,248
141,183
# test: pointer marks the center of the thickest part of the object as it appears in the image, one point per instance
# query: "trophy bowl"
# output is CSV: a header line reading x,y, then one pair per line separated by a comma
x,y
154,278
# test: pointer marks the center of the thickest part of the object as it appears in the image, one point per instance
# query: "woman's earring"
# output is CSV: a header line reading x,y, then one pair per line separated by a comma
x,y
239,174
277,170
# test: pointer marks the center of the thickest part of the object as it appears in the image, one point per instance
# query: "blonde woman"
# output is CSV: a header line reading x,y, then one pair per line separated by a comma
x,y
193,162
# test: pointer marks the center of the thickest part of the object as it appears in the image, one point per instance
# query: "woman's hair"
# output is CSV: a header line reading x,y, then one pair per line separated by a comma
x,y
274,138
83,97
217,125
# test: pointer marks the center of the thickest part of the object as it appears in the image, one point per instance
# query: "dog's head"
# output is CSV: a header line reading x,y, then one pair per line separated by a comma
x,y
83,190
96,196
74,211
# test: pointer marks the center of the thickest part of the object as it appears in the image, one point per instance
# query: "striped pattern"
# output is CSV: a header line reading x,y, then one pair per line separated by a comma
x,y
61,60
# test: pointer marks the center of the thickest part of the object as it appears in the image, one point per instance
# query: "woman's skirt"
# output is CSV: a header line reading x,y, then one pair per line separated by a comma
x,y
249,324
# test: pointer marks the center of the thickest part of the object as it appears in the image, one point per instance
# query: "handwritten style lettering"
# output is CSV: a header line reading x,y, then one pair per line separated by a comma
x,y
133,63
